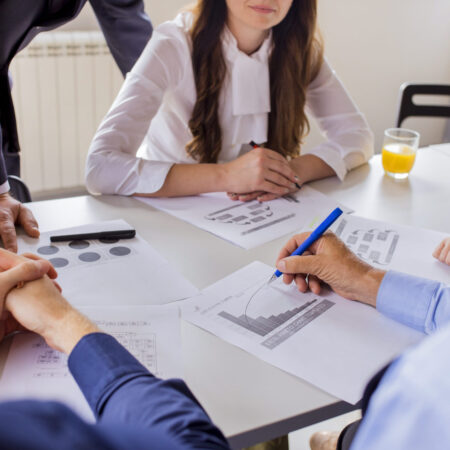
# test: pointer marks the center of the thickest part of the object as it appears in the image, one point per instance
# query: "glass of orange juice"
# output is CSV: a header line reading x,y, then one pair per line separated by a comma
x,y
399,152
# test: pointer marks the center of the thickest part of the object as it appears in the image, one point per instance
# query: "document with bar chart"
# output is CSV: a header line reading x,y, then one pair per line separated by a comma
x,y
395,247
249,224
332,343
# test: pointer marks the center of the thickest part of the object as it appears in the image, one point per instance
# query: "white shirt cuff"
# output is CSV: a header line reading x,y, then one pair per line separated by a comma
x,y
331,156
152,176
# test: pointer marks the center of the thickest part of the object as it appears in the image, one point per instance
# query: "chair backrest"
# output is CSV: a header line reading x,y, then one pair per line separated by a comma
x,y
18,189
408,108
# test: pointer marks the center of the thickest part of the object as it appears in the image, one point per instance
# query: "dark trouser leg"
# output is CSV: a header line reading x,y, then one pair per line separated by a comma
x,y
347,435
281,443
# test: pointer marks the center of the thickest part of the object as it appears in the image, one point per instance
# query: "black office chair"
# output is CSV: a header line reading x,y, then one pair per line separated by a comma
x,y
408,108
18,189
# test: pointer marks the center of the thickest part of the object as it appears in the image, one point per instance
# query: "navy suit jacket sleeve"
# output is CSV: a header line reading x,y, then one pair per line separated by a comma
x,y
134,409
126,27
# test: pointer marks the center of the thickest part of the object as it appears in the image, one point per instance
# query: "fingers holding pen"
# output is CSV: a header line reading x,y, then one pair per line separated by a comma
x,y
304,280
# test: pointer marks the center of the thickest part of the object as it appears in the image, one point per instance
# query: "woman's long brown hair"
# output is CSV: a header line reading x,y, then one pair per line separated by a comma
x,y
294,62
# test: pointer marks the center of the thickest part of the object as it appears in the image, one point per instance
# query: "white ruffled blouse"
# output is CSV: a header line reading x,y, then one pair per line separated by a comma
x,y
154,105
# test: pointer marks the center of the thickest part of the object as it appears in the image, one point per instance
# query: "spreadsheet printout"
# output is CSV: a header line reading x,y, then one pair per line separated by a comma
x,y
150,333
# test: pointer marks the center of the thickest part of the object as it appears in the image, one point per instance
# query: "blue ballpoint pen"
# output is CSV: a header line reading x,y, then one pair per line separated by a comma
x,y
316,234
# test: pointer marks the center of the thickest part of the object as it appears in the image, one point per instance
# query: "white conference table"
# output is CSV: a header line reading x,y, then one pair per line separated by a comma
x,y
250,400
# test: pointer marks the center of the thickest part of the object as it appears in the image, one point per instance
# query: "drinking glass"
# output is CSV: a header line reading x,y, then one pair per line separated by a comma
x,y
399,152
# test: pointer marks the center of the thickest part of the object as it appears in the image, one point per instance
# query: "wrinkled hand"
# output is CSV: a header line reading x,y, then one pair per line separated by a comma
x,y
13,212
259,172
442,252
331,262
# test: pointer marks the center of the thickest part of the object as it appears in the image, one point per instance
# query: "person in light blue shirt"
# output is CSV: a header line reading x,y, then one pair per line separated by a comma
x,y
406,406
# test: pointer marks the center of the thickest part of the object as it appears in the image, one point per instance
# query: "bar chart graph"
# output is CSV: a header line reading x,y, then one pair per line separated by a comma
x,y
277,328
264,325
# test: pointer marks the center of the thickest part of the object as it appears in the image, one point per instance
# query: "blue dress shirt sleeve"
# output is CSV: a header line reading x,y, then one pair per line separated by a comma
x,y
122,391
416,302
410,409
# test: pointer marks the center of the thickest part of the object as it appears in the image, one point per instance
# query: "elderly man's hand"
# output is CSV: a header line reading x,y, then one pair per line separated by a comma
x,y
13,212
329,261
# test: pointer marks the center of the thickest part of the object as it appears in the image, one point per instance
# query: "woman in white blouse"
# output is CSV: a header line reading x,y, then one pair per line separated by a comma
x,y
224,74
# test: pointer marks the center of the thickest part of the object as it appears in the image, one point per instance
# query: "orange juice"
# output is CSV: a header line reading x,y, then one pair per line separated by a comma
x,y
398,159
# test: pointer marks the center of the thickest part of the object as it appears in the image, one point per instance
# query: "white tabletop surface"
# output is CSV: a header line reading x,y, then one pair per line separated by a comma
x,y
250,400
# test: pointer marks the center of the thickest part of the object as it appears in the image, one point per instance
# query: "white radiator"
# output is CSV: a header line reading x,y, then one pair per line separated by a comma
x,y
63,85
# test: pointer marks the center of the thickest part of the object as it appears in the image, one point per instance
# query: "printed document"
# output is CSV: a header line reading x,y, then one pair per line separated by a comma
x,y
109,272
396,247
333,343
249,224
150,333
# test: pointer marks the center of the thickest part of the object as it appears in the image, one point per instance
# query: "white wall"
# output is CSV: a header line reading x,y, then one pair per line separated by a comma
x,y
374,45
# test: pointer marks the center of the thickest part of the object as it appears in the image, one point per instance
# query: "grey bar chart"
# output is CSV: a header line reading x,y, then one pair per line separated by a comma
x,y
264,325
303,320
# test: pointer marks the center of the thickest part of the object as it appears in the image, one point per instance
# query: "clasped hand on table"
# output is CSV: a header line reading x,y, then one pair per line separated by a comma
x,y
30,299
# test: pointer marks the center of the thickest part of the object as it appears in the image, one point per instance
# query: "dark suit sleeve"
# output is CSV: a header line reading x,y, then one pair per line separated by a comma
x,y
16,19
9,140
121,391
126,27
30,424
3,174
135,410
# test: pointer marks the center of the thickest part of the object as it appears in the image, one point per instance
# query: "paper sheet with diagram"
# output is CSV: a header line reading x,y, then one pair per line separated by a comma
x,y
150,333
333,343
390,246
109,272
250,224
